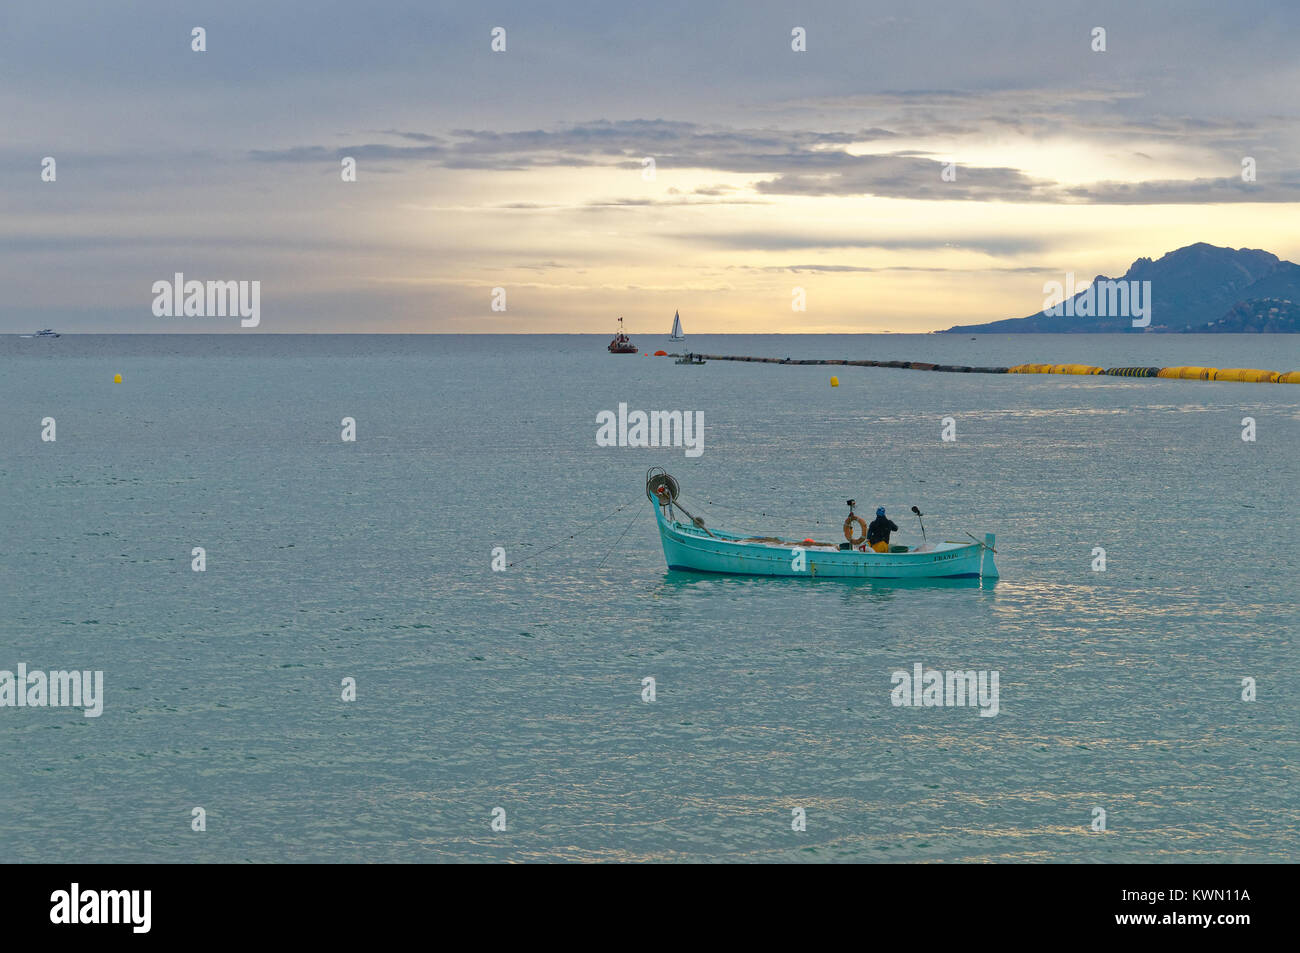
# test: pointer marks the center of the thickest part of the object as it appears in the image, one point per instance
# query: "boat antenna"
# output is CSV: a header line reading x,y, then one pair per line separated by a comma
x,y
922,522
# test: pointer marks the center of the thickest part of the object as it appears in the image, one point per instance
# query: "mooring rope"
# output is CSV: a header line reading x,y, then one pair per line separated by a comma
x,y
572,535
617,541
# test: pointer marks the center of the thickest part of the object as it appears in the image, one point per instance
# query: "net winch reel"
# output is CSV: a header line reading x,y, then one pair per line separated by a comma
x,y
663,489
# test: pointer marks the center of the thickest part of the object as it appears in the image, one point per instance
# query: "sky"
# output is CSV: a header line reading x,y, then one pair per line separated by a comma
x,y
778,175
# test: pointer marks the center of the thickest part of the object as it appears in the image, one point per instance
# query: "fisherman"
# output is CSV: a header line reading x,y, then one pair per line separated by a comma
x,y
879,530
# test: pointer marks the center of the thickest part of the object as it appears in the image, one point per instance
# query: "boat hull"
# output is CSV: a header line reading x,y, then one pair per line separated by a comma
x,y
691,549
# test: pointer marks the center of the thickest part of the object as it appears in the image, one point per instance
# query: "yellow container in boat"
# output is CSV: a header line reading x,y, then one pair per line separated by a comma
x,y
1188,373
1247,375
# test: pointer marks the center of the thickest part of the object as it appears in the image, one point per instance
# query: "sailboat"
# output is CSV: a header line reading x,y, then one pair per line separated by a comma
x,y
677,334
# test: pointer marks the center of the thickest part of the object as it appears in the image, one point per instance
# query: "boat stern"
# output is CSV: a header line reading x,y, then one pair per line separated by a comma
x,y
988,568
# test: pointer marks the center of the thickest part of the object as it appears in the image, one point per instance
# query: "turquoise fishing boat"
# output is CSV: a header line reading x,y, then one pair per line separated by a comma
x,y
693,547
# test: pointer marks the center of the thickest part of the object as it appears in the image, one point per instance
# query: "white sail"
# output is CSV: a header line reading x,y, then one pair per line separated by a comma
x,y
677,334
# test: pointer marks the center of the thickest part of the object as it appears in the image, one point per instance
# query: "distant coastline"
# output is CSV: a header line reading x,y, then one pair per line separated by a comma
x,y
1200,288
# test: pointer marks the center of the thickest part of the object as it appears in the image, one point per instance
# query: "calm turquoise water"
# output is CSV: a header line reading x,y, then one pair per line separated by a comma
x,y
325,560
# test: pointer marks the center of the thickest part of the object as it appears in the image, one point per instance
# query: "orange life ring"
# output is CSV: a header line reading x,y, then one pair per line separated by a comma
x,y
848,529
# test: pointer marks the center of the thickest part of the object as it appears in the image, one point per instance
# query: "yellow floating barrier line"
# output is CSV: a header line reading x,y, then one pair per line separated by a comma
x,y
1247,375
1188,373
1076,369
1250,375
1030,369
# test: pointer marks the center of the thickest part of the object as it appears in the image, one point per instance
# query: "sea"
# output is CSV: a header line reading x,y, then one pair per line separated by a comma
x,y
454,637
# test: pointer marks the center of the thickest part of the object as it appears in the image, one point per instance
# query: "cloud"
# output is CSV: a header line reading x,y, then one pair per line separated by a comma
x,y
617,143
997,245
828,162
910,177
832,269
1185,191
312,154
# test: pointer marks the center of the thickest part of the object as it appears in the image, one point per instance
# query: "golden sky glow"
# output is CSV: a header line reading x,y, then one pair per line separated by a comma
x,y
522,169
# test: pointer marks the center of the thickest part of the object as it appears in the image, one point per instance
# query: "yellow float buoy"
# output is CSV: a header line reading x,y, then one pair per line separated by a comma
x,y
117,378
1188,373
835,382
1248,375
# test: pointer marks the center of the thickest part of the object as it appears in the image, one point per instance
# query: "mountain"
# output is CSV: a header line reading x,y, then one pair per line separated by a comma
x,y
1197,288
1261,315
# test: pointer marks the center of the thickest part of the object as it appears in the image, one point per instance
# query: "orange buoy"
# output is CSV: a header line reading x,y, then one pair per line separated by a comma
x,y
808,542
661,353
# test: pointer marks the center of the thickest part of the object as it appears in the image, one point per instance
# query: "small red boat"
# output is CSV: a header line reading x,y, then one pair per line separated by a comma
x,y
621,344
